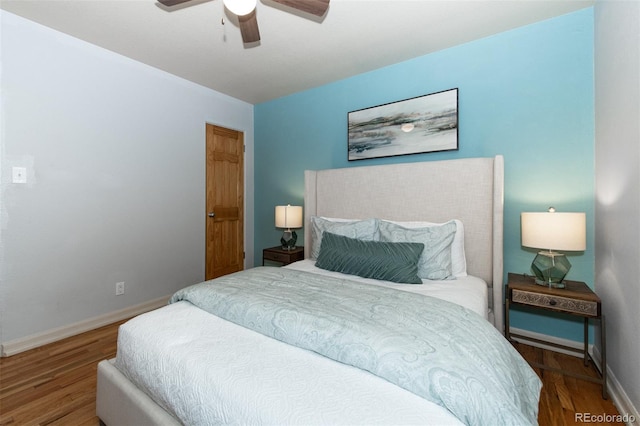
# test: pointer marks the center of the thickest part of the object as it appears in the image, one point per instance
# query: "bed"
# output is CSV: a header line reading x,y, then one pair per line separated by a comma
x,y
205,364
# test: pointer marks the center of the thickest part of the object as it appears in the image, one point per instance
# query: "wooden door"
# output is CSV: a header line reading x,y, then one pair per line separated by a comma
x,y
225,202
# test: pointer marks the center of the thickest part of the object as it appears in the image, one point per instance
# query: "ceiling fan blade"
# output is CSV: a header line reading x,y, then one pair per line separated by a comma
x,y
170,3
249,27
314,7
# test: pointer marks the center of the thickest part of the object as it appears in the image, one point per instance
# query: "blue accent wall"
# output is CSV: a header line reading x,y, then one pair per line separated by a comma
x,y
527,94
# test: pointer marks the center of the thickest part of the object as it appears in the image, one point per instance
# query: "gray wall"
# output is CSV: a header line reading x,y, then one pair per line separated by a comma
x,y
114,152
617,95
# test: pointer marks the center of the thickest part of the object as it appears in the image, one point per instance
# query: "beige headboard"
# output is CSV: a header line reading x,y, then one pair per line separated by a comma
x,y
470,190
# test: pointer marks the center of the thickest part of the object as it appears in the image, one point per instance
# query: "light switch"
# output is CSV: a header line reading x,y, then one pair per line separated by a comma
x,y
19,175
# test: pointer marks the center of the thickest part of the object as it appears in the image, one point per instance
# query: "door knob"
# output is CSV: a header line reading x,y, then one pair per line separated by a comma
x,y
211,214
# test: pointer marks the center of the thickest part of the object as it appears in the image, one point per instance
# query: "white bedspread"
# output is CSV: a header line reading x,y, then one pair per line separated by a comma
x,y
205,370
470,292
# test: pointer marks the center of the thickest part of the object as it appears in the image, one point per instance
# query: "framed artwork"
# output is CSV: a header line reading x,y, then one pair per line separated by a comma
x,y
422,124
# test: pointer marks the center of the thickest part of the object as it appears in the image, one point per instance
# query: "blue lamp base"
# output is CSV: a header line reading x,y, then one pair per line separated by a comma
x,y
288,240
550,268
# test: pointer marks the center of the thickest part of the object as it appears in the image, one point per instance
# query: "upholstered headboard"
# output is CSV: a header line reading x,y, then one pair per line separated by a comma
x,y
470,190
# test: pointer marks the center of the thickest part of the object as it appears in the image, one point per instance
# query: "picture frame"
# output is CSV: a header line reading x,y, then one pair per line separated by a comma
x,y
427,123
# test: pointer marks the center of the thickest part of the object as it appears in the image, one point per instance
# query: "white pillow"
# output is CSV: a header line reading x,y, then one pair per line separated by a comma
x,y
458,259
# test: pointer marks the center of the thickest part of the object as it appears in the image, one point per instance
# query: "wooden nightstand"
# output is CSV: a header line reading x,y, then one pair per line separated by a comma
x,y
575,299
278,254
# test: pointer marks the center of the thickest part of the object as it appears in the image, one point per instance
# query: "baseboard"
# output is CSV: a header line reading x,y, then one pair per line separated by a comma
x,y
619,397
629,412
16,346
551,339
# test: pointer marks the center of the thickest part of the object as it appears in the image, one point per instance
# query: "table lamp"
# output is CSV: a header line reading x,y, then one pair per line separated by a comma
x,y
288,217
553,231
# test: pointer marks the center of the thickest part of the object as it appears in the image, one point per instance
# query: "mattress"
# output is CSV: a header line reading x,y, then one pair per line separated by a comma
x,y
204,370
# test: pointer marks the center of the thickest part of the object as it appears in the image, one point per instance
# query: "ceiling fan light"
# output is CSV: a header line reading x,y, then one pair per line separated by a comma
x,y
240,7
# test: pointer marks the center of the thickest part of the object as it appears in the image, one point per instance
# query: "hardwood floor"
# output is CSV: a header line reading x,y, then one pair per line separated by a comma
x,y
565,400
56,384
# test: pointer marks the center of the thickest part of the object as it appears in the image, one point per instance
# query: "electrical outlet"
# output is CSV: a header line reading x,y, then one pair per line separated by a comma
x,y
120,288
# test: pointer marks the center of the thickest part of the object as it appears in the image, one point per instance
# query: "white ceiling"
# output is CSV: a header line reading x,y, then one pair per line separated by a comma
x,y
297,51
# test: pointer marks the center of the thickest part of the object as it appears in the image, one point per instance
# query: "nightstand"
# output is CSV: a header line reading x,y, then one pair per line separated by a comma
x,y
575,299
278,254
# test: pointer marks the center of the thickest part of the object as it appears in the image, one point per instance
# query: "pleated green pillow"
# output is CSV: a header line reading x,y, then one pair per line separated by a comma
x,y
396,262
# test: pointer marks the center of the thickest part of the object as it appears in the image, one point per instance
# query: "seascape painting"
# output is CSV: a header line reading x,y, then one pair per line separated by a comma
x,y
427,123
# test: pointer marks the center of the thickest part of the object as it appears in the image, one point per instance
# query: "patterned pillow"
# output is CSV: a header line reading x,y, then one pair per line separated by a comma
x,y
435,261
458,257
396,262
366,230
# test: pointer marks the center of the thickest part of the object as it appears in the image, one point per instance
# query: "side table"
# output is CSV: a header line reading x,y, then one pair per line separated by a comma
x,y
575,299
278,254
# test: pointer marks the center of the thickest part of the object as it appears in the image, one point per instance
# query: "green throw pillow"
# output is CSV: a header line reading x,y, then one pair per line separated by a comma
x,y
397,262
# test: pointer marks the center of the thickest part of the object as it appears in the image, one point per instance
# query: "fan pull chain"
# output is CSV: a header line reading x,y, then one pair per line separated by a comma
x,y
224,30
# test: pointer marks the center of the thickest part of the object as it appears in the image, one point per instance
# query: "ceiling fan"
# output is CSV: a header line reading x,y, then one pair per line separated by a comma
x,y
245,10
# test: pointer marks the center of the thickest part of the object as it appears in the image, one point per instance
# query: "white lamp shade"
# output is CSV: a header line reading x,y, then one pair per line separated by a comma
x,y
288,216
240,7
554,231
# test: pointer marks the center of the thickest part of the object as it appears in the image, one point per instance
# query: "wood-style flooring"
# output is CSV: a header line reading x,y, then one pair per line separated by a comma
x,y
565,400
56,384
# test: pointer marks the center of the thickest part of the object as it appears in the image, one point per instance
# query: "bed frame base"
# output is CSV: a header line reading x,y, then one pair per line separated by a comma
x,y
120,403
